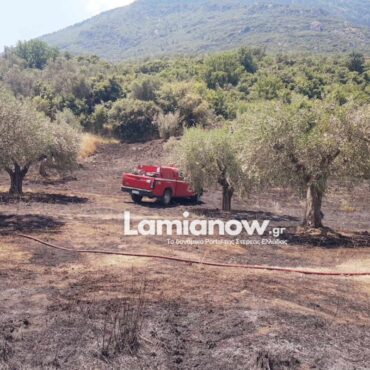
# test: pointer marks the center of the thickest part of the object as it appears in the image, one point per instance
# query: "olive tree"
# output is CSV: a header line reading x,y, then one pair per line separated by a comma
x,y
209,158
27,136
304,145
36,53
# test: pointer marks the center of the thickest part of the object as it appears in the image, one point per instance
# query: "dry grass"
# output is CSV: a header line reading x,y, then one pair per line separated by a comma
x,y
90,144
169,125
346,207
123,325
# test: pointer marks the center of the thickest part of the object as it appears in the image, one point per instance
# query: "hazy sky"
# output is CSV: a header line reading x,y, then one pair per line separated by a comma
x,y
26,19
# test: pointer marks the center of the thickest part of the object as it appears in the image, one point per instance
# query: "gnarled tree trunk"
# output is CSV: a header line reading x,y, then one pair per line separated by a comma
x,y
227,194
227,189
42,168
313,215
16,179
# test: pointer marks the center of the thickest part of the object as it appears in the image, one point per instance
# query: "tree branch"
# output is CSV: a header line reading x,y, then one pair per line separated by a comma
x,y
299,165
25,169
330,158
10,172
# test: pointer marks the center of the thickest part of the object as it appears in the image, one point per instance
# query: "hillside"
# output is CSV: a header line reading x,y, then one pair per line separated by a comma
x,y
156,27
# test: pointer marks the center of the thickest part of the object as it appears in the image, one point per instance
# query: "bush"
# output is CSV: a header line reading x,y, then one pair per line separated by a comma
x,y
98,119
223,103
223,69
134,120
246,60
35,53
67,116
186,98
356,62
145,89
106,89
64,147
268,87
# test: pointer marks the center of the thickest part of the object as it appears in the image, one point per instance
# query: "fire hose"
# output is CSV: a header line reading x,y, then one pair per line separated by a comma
x,y
196,262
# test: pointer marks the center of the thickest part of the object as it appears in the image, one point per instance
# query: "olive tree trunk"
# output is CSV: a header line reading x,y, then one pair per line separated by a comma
x,y
42,168
16,179
313,215
227,194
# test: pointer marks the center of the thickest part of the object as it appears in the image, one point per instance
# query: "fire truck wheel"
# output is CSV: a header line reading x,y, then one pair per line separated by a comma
x,y
136,198
167,197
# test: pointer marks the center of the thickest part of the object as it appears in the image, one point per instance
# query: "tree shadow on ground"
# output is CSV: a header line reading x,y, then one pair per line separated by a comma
x,y
328,238
52,180
42,198
10,224
325,237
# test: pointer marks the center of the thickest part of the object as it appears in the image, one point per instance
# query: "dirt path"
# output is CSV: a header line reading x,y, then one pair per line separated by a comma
x,y
53,305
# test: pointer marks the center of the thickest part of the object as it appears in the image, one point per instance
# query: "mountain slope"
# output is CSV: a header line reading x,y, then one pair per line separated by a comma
x,y
157,27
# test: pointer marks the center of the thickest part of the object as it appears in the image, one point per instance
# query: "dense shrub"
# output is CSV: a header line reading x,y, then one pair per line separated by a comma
x,y
186,98
35,53
145,88
134,120
356,62
204,90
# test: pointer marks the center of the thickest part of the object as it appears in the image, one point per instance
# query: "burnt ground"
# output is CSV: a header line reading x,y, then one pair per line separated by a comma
x,y
57,308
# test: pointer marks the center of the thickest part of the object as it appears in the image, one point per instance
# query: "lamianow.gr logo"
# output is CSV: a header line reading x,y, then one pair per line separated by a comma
x,y
187,227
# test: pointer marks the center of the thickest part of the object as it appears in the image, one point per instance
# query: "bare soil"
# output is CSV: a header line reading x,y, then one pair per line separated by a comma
x,y
55,306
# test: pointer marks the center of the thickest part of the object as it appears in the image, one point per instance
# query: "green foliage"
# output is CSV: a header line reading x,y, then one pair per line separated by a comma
x,y
246,59
343,94
35,53
303,145
205,156
45,105
27,135
21,81
146,88
98,120
106,89
223,69
133,120
203,91
23,132
268,87
186,98
222,103
66,117
210,159
310,84
297,119
356,62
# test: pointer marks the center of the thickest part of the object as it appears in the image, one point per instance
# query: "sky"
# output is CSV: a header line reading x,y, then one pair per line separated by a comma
x,y
27,19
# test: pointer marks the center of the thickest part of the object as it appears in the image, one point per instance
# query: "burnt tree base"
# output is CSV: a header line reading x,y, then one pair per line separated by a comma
x,y
313,215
